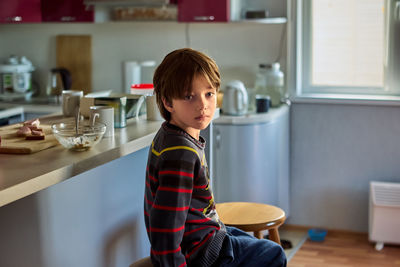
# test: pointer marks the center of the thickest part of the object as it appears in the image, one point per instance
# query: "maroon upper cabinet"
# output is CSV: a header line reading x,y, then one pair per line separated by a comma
x,y
203,10
66,11
20,11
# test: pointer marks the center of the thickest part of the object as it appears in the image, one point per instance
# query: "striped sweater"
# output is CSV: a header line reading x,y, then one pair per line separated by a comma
x,y
181,220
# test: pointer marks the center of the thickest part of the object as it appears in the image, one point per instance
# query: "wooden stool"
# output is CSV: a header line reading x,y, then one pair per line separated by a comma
x,y
252,217
145,262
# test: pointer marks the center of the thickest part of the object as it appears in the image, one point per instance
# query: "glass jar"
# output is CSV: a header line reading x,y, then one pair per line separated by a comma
x,y
270,81
275,84
260,85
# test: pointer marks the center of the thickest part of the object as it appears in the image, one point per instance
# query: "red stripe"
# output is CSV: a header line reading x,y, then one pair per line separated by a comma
x,y
145,213
199,221
200,244
200,228
193,209
152,178
204,197
162,230
173,189
166,207
170,208
180,173
200,186
164,252
183,264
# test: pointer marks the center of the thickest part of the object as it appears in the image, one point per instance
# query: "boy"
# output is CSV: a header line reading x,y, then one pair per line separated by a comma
x,y
182,224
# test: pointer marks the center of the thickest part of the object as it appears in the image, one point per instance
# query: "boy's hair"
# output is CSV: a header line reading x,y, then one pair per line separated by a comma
x,y
173,77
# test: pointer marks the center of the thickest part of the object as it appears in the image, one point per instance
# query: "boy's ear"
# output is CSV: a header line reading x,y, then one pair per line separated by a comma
x,y
167,105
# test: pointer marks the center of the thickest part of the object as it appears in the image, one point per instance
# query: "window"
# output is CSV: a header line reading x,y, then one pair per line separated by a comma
x,y
342,47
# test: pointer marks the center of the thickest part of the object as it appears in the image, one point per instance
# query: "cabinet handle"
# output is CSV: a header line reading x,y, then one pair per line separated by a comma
x,y
14,18
204,18
217,139
396,11
67,18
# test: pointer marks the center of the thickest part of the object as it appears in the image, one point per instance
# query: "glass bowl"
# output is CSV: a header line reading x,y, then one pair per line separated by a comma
x,y
88,135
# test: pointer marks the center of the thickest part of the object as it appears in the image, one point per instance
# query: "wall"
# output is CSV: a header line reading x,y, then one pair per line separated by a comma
x,y
336,149
238,48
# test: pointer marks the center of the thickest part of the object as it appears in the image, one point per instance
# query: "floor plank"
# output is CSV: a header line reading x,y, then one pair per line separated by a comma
x,y
345,250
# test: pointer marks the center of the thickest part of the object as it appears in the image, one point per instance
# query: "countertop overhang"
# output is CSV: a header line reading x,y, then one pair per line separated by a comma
x,y
23,175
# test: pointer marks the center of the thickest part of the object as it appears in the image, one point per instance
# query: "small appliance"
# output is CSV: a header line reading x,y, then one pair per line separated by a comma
x,y
16,75
59,79
235,100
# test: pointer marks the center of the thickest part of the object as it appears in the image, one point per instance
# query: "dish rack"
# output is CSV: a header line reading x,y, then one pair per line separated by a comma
x,y
384,213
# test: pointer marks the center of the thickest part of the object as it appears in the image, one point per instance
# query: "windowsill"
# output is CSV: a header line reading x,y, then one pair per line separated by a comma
x,y
347,99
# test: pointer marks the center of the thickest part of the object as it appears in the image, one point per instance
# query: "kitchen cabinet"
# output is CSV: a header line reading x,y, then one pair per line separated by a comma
x,y
66,11
203,11
20,11
251,158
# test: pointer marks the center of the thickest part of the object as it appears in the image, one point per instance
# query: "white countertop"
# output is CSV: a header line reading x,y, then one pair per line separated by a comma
x,y
31,107
12,111
252,118
22,175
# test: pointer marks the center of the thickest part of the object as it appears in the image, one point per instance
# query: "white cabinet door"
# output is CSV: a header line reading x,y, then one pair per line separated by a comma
x,y
251,162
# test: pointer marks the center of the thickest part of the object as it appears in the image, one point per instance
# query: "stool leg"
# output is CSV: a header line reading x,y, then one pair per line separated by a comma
x,y
274,235
258,234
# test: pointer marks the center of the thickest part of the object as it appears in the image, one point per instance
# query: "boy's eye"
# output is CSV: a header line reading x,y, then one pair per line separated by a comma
x,y
210,94
188,97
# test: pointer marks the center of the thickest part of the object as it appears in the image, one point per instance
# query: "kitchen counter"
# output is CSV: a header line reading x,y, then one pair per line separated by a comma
x,y
252,118
22,175
31,107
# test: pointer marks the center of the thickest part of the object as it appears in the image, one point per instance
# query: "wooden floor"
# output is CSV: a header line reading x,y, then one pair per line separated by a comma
x,y
345,250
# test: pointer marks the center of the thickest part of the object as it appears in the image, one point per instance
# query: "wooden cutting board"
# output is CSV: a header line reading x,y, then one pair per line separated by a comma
x,y
74,52
13,144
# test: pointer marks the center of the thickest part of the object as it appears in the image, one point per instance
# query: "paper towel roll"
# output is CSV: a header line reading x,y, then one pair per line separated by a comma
x,y
132,75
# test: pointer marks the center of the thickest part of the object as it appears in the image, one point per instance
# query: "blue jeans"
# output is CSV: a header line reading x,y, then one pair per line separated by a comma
x,y
242,249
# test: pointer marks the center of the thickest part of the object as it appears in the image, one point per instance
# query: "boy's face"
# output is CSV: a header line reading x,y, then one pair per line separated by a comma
x,y
196,110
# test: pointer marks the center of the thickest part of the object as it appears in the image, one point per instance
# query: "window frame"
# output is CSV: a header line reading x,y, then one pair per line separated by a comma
x,y
303,48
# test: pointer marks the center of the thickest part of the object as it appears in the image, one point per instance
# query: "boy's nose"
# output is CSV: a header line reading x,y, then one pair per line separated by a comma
x,y
202,103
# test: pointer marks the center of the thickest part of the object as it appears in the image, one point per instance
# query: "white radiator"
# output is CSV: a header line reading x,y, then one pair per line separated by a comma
x,y
384,213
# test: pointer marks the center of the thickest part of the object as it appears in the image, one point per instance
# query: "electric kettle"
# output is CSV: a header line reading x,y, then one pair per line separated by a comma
x,y
59,79
235,100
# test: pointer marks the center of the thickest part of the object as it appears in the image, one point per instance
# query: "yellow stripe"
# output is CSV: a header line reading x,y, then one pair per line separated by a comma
x,y
172,148
209,204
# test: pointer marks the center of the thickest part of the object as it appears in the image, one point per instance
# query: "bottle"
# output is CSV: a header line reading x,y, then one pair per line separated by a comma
x,y
260,85
274,78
